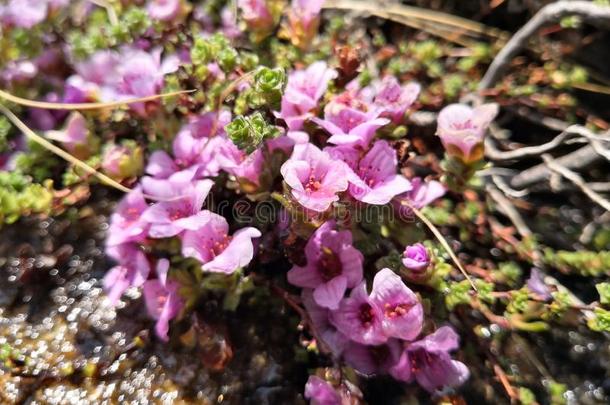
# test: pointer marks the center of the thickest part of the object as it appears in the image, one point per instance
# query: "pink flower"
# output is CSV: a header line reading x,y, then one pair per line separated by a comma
x,y
180,208
256,14
195,149
140,74
370,360
162,299
350,126
126,224
132,270
376,180
428,361
421,194
74,136
416,258
359,318
304,18
392,99
401,313
333,265
229,26
303,91
315,179
215,249
325,330
462,129
320,392
165,10
25,13
98,70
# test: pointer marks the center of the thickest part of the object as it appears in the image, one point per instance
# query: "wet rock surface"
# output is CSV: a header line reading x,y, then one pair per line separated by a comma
x,y
62,343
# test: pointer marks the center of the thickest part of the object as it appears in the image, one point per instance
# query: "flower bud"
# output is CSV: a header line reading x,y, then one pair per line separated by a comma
x,y
261,16
462,129
416,258
123,161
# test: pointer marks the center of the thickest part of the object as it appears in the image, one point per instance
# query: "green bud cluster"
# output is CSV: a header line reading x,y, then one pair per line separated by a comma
x,y
268,87
215,48
248,133
100,34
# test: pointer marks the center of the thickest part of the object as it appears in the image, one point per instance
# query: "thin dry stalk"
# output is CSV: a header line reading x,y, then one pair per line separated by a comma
x,y
588,11
575,178
85,106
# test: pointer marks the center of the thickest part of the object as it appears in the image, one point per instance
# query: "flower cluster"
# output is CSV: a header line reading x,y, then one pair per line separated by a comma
x,y
177,213
114,75
299,134
373,332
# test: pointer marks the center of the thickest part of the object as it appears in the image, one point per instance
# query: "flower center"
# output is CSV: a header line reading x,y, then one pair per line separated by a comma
x,y
419,359
329,264
369,174
161,300
366,315
461,125
396,310
313,184
219,245
131,215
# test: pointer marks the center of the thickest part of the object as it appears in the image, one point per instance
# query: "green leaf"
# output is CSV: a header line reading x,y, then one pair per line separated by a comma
x,y
601,322
604,293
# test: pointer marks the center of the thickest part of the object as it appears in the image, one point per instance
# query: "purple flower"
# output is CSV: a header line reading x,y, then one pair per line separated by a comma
x,y
320,392
349,126
392,99
370,360
401,313
132,270
359,318
18,71
462,129
138,74
315,178
325,330
165,10
215,249
126,224
15,145
180,208
162,299
421,194
416,258
303,91
229,26
195,149
74,136
428,361
99,69
25,13
535,283
376,180
333,265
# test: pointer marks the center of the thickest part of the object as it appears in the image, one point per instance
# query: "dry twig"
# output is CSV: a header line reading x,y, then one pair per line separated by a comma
x,y
589,12
575,178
